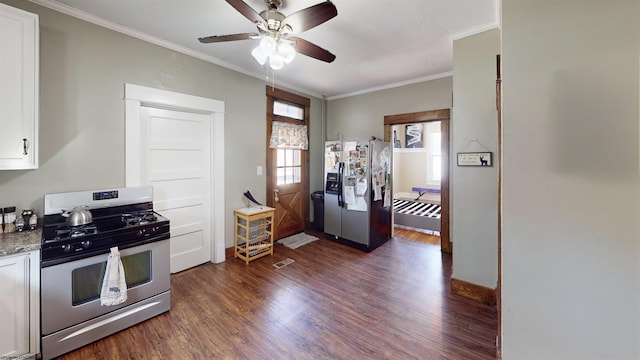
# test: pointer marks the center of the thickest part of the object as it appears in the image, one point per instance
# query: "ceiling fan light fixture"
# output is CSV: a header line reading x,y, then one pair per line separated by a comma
x,y
268,45
259,55
276,61
278,51
274,29
287,51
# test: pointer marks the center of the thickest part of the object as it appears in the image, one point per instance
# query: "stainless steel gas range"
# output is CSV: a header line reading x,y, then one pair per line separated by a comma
x,y
74,256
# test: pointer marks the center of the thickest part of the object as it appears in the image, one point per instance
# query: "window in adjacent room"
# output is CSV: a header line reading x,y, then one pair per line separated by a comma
x,y
435,156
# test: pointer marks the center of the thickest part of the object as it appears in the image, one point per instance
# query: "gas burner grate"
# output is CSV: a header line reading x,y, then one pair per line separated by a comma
x,y
66,232
140,218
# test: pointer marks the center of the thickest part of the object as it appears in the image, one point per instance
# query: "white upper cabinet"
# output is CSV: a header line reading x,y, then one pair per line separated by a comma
x,y
19,42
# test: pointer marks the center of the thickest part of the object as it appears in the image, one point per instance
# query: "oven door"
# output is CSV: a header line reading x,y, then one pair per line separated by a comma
x,y
70,292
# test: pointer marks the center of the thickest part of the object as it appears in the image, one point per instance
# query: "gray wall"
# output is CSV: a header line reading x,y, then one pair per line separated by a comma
x,y
83,69
362,116
571,196
474,190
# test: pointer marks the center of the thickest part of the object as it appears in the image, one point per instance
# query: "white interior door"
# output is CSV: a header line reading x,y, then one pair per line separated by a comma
x,y
138,164
178,156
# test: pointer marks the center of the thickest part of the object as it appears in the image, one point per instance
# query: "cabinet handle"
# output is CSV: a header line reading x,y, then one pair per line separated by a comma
x,y
24,147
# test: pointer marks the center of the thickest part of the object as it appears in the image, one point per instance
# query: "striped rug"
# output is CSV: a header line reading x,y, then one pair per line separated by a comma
x,y
416,208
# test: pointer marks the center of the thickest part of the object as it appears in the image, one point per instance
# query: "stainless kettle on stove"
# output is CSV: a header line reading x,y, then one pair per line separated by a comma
x,y
78,216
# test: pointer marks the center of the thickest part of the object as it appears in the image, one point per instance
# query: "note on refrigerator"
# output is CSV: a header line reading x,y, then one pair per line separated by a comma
x,y
360,205
387,194
377,185
349,195
361,187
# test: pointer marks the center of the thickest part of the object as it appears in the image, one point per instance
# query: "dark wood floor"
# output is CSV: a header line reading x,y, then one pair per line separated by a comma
x,y
333,302
418,235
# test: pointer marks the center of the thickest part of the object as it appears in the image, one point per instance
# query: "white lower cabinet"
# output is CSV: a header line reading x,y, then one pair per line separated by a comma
x,y
19,305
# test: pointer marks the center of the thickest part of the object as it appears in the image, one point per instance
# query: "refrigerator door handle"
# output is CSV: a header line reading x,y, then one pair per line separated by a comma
x,y
340,189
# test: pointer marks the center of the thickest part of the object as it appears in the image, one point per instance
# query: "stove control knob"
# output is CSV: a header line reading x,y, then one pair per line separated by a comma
x,y
140,233
67,248
86,244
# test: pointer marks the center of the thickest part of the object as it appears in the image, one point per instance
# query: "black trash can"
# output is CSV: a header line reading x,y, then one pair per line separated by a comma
x,y
318,210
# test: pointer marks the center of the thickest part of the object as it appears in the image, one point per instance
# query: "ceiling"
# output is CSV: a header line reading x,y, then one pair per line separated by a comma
x,y
377,43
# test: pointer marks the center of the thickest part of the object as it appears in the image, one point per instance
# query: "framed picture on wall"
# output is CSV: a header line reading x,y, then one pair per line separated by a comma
x,y
475,159
413,136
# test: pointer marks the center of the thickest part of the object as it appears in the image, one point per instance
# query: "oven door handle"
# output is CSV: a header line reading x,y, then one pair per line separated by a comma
x,y
83,254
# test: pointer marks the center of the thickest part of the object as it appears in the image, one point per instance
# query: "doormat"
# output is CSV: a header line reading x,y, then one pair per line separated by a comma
x,y
283,263
297,240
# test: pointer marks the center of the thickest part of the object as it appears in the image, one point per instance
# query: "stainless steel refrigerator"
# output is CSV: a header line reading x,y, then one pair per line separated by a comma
x,y
358,199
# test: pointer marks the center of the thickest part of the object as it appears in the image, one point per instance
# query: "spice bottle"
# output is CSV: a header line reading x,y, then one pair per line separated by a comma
x,y
9,219
33,221
27,214
19,223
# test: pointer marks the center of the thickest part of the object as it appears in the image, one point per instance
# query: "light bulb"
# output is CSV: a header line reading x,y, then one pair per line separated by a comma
x,y
268,45
259,55
276,61
286,51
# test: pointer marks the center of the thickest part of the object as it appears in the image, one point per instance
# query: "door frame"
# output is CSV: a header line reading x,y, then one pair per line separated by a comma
x,y
137,96
444,116
275,93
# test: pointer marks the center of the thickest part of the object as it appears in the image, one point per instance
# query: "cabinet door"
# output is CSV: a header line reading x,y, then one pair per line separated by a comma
x,y
14,305
18,89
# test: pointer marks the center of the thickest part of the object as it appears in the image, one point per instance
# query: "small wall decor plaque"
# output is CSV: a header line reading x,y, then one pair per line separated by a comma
x,y
475,159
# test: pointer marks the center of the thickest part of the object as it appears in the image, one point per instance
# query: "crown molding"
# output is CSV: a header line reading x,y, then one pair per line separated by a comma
x,y
393,85
474,31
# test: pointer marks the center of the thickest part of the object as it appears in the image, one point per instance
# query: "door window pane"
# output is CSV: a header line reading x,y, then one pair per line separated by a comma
x,y
288,157
288,110
296,157
289,175
280,158
289,166
280,176
296,175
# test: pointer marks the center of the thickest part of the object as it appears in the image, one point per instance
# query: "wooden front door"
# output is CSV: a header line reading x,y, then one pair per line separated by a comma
x,y
287,168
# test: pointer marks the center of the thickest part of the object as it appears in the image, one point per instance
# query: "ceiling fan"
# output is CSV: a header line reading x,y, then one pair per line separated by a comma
x,y
274,29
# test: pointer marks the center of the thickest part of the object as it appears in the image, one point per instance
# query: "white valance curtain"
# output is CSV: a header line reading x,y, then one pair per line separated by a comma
x,y
288,136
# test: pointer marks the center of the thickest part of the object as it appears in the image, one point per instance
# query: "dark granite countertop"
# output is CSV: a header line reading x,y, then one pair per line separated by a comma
x,y
19,242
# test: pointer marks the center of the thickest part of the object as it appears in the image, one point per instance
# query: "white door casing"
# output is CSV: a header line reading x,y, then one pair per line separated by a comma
x,y
140,103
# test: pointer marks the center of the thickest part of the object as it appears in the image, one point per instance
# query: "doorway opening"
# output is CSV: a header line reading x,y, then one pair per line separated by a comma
x,y
417,172
421,146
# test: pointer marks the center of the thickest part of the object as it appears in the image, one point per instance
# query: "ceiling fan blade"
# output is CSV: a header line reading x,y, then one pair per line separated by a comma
x,y
232,37
246,10
306,48
311,17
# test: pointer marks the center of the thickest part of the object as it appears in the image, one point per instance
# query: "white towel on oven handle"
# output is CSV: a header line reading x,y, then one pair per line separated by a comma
x,y
114,285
